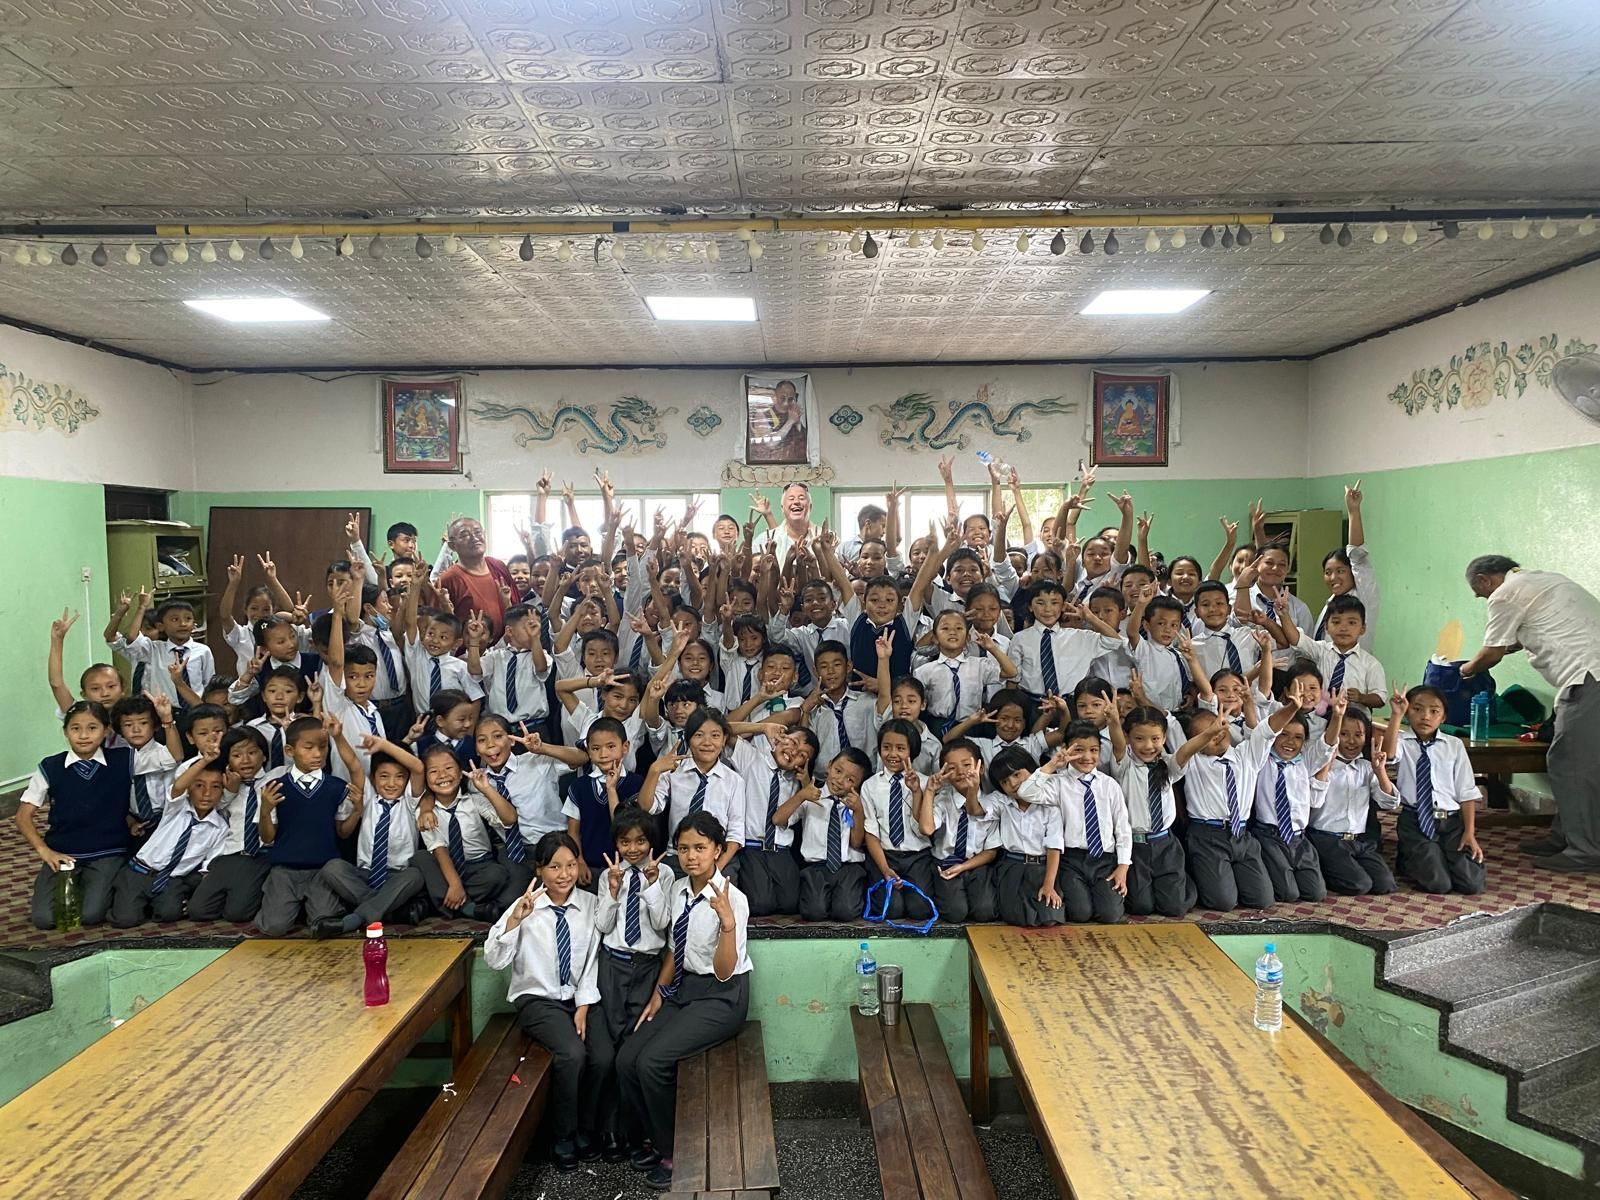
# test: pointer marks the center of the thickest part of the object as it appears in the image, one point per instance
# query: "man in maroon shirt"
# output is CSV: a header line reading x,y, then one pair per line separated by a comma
x,y
476,580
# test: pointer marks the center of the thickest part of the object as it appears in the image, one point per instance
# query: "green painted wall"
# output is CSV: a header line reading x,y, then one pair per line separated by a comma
x,y
52,531
1330,981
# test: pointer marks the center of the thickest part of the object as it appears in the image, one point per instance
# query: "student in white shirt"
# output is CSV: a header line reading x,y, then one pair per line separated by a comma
x,y
1050,657
138,719
167,869
460,872
1030,837
430,653
899,817
176,620
700,781
528,781
514,671
1097,843
1257,590
968,839
1163,653
1285,795
1011,713
392,691
1439,849
241,639
550,938
1351,857
231,889
282,693
833,882
619,695
702,992
956,684
774,764
1348,572
840,718
1341,659
1158,876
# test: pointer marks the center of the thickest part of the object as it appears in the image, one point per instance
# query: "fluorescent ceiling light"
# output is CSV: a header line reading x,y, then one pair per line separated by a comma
x,y
1140,302
702,308
258,308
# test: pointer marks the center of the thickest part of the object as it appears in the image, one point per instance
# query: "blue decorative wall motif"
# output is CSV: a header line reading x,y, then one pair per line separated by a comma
x,y
845,419
915,420
30,404
630,426
704,420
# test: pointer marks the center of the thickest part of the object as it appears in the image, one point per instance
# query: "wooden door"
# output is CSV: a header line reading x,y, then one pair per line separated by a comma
x,y
303,541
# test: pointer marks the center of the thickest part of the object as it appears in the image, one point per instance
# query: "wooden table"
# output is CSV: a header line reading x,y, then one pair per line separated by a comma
x,y
1135,1055
1501,758
236,1082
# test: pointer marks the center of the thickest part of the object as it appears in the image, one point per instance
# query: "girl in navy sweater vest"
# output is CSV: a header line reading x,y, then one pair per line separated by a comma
x,y
87,788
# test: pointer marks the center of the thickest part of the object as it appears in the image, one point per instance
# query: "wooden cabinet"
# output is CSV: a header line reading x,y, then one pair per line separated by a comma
x,y
1311,534
167,558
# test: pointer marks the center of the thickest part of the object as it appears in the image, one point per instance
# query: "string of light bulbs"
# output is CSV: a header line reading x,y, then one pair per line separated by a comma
x,y
44,251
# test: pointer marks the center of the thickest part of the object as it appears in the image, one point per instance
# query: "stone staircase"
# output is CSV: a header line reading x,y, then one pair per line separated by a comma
x,y
1520,995
24,985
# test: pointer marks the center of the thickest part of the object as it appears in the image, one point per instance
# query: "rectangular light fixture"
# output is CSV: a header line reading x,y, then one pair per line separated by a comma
x,y
1144,302
257,309
702,308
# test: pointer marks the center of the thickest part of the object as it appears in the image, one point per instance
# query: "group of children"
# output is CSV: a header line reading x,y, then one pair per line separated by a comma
x,y
1056,730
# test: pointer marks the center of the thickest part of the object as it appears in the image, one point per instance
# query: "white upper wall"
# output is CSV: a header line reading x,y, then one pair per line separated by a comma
x,y
1355,426
71,413
1235,420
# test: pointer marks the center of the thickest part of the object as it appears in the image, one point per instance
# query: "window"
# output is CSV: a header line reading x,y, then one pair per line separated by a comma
x,y
918,507
510,511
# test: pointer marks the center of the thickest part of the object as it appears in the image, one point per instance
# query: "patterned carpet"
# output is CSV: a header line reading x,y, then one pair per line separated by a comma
x,y
1513,882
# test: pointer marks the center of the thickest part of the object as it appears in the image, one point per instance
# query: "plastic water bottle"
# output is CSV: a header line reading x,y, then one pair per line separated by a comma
x,y
375,952
1480,717
1269,991
68,898
867,982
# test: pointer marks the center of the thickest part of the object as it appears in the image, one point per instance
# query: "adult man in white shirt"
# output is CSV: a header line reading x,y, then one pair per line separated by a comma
x,y
1558,623
795,509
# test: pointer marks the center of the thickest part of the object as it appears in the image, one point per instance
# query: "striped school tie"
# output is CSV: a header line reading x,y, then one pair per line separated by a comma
x,y
389,671
378,872
1322,625
435,677
636,654
563,943
516,848
1231,783
86,768
680,942
1425,821
1184,682
770,840
252,826
1235,663
1157,799
371,716
1091,821
963,827
897,815
511,683
1280,804
955,687
838,716
1336,680
141,798
457,848
699,800
1047,660
749,682
164,876
835,837
275,748
632,926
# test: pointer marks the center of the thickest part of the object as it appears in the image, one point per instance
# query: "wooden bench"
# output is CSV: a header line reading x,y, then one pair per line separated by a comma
x,y
473,1138
920,1127
723,1142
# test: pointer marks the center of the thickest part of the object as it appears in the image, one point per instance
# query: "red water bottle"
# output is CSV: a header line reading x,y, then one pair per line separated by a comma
x,y
375,952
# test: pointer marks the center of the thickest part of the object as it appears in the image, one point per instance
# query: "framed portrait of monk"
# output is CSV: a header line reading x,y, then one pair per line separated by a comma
x,y
1131,415
780,421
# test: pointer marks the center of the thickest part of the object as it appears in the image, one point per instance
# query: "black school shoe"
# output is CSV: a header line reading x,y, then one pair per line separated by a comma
x,y
416,911
564,1154
660,1179
612,1149
588,1151
328,927
645,1158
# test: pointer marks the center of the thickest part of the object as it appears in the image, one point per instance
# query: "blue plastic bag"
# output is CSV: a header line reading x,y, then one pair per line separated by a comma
x,y
1458,692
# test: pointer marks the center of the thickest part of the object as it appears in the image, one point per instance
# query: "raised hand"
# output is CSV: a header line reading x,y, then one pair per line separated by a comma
x,y
267,565
652,869
614,874
722,904
477,629
1231,528
1352,495
947,466
1145,521
1123,502
530,742
884,644
59,628
522,909
542,484
352,528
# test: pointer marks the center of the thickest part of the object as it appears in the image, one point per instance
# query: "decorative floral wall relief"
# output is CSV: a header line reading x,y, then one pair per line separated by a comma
x,y
1483,371
34,406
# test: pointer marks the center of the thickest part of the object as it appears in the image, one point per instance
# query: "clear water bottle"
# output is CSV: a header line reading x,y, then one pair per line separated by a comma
x,y
1269,990
867,982
1480,717
68,898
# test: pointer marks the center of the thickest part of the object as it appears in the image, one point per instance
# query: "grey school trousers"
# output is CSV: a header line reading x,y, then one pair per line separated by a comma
x,y
1574,769
342,887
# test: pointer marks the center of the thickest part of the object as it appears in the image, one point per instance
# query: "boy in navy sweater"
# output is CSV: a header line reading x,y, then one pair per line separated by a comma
x,y
599,793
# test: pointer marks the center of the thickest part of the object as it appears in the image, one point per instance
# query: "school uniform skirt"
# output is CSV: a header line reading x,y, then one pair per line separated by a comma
x,y
1017,880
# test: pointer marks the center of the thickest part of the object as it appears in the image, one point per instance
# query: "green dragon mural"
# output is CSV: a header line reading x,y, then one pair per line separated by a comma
x,y
631,426
913,420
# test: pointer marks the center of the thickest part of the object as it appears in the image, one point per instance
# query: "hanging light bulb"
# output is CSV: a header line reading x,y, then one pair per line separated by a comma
x,y
714,254
619,251
1022,243
158,255
1380,234
1345,236
755,248
1450,229
1408,235
744,235
1276,234
1058,244
855,242
69,256
424,248
525,250
1520,229
235,251
1548,229
347,246
1227,237
978,241
375,247
180,253
1208,239
938,239
869,248
297,250
915,240
1245,237
1180,239
22,256
1325,235
1111,245
1586,226
266,249
685,252
1086,243
1485,231
131,255
451,243
100,258
564,251
208,253
819,249
1152,242
42,257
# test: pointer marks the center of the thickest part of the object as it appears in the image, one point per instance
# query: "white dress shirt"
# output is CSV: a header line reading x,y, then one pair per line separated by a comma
x,y
754,763
1161,673
1134,778
1297,609
1084,587
1554,620
875,802
382,642
453,673
804,639
653,924
236,807
983,832
530,951
198,664
1065,790
1115,667
1074,651
530,781
926,759
402,829
1205,776
938,678
37,793
1032,830
532,701
474,816
1362,672
856,708
1211,645
355,720
724,798
1352,788
153,763
1033,743
1365,590
206,837
741,676
575,727
816,816
242,642
1297,786
1450,771
705,927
